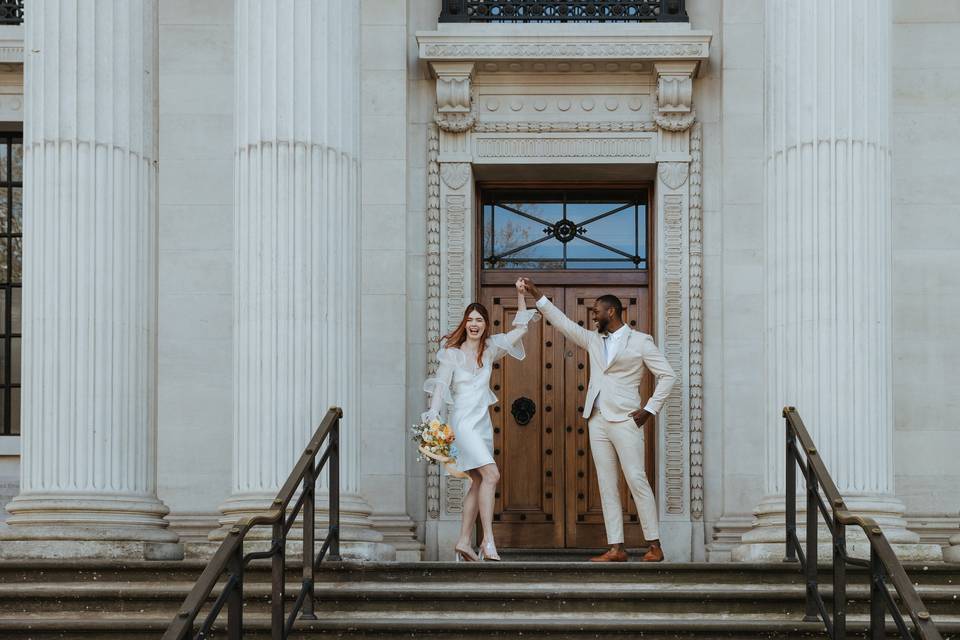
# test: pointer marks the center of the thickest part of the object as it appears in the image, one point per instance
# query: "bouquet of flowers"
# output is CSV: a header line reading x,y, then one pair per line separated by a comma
x,y
435,443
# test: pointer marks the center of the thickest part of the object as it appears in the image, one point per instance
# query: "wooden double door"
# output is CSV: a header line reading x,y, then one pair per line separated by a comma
x,y
548,495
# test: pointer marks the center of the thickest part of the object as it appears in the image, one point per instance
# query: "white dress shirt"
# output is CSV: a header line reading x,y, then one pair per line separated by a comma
x,y
613,340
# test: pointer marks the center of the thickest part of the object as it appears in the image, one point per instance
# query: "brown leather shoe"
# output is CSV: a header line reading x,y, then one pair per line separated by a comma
x,y
611,555
653,554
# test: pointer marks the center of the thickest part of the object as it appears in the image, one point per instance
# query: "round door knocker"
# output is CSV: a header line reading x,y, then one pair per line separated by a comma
x,y
523,410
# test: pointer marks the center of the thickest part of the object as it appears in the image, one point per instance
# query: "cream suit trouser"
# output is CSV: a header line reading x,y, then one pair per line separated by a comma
x,y
615,445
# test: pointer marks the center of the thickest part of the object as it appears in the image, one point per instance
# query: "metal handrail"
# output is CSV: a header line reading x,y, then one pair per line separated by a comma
x,y
883,564
229,559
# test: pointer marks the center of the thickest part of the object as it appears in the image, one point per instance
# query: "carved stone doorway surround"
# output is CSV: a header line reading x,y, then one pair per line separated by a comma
x,y
586,95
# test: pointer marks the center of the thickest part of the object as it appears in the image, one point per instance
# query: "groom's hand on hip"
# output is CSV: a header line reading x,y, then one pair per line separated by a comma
x,y
641,416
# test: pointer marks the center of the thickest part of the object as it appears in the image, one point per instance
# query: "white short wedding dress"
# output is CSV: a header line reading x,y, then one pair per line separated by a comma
x,y
464,387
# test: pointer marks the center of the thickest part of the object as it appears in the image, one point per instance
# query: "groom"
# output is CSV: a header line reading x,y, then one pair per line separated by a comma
x,y
618,357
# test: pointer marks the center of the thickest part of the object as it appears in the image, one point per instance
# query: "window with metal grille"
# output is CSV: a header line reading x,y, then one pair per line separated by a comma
x,y
565,229
11,270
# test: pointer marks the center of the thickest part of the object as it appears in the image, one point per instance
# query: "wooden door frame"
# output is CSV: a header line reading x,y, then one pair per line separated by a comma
x,y
578,277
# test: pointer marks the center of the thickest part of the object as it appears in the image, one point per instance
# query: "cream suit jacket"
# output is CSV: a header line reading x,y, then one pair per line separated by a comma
x,y
615,388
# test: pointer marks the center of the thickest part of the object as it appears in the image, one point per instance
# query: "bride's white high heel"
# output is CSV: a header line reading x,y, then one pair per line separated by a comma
x,y
464,555
488,551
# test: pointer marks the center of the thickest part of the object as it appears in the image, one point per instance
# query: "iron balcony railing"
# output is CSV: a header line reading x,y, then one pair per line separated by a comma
x,y
563,11
11,11
884,565
230,560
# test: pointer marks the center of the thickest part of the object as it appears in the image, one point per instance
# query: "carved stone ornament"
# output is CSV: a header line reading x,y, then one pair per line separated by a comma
x,y
673,174
455,174
563,50
675,121
456,492
696,321
674,93
455,122
584,126
675,110
454,99
453,93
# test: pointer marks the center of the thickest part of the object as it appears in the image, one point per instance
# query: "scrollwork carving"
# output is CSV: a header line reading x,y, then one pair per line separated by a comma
x,y
453,94
674,93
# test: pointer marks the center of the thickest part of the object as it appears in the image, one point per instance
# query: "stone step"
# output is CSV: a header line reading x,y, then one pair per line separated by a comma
x,y
19,572
348,624
133,600
618,597
630,572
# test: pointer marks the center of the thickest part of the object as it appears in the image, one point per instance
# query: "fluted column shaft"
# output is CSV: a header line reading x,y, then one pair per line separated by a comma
x,y
828,235
297,281
828,258
90,274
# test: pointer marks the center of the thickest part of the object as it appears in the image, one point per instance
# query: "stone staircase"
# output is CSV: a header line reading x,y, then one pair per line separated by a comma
x,y
41,600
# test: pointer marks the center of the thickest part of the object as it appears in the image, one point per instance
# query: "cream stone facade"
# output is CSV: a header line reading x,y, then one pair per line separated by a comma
x,y
302,180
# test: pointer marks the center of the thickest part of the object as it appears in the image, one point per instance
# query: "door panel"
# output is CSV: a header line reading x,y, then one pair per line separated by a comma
x,y
548,495
584,523
529,505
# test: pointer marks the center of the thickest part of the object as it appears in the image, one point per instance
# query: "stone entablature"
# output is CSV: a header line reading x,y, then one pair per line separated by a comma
x,y
550,94
542,42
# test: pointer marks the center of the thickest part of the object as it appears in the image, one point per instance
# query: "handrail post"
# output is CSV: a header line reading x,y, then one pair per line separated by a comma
x,y
812,615
278,582
839,581
878,610
309,546
235,599
333,527
791,488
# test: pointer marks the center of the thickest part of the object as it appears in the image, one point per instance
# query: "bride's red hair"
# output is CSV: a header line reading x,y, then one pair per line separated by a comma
x,y
459,335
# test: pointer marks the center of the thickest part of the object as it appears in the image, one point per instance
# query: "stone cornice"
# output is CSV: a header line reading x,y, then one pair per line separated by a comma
x,y
577,44
11,43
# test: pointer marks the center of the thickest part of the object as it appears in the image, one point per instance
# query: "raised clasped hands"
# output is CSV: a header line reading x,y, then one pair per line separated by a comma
x,y
530,287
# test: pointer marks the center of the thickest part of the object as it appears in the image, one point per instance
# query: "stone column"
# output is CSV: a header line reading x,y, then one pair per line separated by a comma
x,y
88,485
297,249
828,257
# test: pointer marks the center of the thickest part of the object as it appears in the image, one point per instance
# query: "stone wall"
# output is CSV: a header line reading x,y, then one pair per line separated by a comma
x,y
926,251
195,376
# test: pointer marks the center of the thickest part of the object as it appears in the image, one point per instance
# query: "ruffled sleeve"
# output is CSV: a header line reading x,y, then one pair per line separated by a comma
x,y
438,387
501,344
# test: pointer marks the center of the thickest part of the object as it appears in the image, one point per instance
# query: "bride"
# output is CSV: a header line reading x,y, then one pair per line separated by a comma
x,y
462,382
